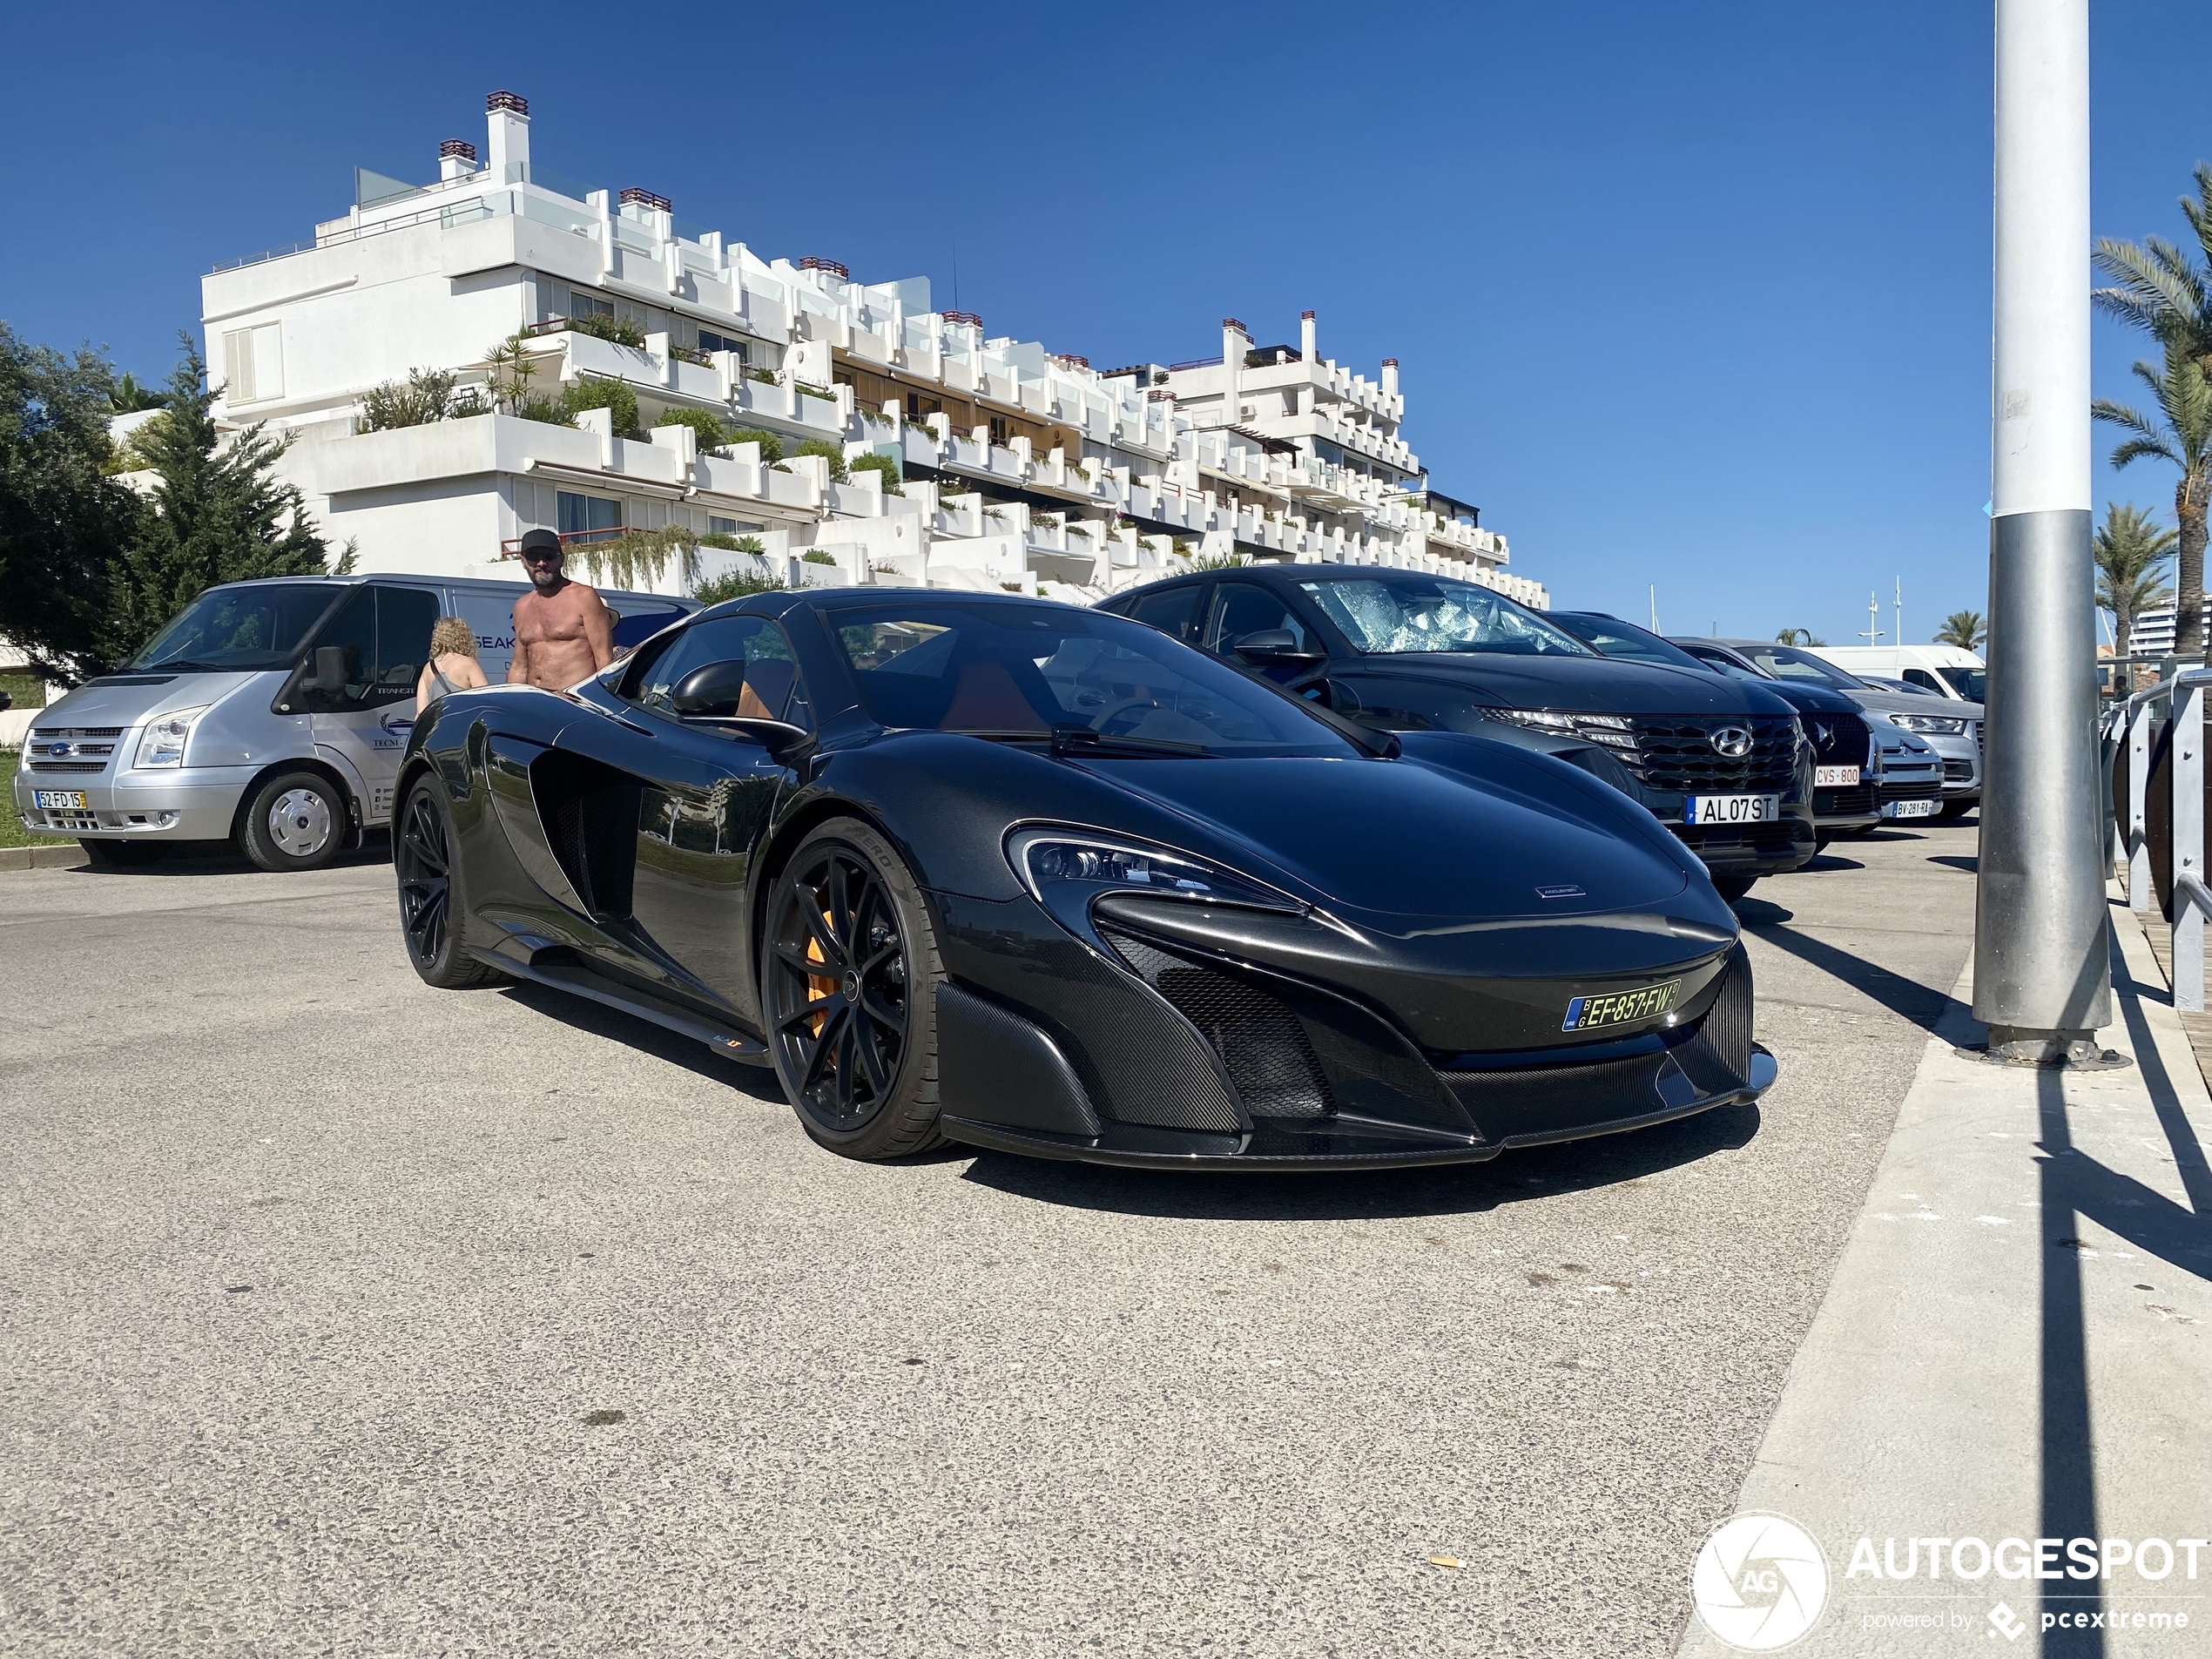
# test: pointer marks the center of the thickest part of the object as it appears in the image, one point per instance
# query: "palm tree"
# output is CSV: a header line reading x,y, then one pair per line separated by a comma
x,y
127,397
2160,288
1964,629
2182,436
1798,637
2130,548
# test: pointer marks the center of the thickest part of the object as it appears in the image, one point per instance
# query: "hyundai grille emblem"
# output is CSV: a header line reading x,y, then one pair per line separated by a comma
x,y
1732,741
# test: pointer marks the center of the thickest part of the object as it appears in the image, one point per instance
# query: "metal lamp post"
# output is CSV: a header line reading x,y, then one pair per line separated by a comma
x,y
2041,977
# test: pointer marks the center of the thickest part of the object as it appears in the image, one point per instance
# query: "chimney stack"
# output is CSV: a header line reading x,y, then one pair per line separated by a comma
x,y
1305,335
508,117
1390,377
456,158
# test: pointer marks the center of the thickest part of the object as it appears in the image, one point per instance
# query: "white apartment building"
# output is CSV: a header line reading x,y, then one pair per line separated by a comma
x,y
1023,468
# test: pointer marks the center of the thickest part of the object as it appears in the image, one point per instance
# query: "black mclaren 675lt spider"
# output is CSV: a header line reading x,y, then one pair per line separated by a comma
x,y
1038,879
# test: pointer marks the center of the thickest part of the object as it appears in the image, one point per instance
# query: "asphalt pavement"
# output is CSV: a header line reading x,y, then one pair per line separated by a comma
x,y
340,1315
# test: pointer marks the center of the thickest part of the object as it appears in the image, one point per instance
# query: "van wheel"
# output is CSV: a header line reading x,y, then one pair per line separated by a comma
x,y
295,821
118,855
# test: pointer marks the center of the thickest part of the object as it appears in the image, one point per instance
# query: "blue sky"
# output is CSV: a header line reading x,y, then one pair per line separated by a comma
x,y
1691,294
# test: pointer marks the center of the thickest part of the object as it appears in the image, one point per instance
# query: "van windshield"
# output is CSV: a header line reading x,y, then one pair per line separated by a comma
x,y
239,629
1972,684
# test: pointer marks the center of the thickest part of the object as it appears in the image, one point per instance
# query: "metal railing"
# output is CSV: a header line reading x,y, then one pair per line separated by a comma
x,y
2181,700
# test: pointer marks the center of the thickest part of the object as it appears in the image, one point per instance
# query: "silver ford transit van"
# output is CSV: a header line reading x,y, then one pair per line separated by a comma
x,y
269,714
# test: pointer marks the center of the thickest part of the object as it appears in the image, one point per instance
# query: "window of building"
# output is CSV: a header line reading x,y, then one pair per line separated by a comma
x,y
711,341
590,305
253,363
582,514
719,526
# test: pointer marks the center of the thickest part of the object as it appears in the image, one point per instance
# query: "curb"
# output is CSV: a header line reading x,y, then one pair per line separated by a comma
x,y
60,855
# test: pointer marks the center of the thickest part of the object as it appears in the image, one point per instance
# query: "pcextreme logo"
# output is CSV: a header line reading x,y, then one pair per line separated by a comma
x,y
1759,1581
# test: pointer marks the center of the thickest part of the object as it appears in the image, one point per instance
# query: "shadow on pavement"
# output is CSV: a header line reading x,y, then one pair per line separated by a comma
x,y
1827,862
1926,1008
1971,865
583,1014
1539,1172
221,857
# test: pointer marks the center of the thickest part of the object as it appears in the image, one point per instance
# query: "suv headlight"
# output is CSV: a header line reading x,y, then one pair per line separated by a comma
x,y
1061,865
1947,726
1611,730
162,744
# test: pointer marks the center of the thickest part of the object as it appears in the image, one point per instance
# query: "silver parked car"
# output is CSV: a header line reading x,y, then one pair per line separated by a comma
x,y
270,714
1952,727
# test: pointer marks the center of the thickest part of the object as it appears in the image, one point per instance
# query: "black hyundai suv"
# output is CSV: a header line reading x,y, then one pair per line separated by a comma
x,y
1846,759
1723,765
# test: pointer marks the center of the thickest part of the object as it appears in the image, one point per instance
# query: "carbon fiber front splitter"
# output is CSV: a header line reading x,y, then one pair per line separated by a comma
x,y
1349,1143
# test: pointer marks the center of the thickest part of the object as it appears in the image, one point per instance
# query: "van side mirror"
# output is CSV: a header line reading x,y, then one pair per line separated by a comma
x,y
329,676
1274,645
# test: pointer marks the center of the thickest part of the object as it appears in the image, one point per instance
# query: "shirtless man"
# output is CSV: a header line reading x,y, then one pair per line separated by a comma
x,y
563,631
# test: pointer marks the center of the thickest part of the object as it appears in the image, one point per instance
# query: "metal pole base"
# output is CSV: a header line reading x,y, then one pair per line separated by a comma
x,y
2013,1045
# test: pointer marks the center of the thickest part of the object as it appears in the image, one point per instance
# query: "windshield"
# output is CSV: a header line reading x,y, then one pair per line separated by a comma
x,y
1415,613
1017,671
1972,684
240,628
1788,662
1624,639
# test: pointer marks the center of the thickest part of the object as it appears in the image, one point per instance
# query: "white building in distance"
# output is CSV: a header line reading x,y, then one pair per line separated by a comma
x,y
1022,469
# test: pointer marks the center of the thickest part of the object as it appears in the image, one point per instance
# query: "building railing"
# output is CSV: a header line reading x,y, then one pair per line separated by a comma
x,y
2181,700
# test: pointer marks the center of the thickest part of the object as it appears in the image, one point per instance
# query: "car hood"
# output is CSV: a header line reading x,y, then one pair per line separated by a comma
x,y
1602,684
1810,699
1949,708
1406,839
125,700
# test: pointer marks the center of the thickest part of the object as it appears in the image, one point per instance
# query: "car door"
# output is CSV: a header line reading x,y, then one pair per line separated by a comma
x,y
1235,610
709,800
357,684
1176,611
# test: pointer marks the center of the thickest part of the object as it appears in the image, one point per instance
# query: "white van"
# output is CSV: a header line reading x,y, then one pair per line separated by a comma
x,y
1945,670
270,714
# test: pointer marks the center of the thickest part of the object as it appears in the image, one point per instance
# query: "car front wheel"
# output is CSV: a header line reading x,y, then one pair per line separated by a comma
x,y
849,974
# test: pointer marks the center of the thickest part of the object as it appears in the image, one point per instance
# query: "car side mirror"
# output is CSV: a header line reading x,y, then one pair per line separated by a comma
x,y
709,691
1274,645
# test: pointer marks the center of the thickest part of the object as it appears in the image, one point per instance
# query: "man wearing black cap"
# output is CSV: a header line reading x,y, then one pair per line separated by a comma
x,y
563,631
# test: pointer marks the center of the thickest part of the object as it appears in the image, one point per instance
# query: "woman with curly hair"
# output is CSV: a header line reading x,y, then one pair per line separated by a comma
x,y
453,666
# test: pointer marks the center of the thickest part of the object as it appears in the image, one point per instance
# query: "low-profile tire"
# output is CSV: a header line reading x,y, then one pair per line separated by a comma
x,y
849,970
119,855
433,913
294,822
1820,841
1732,887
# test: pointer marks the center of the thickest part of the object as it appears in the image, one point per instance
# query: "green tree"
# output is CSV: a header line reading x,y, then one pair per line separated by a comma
x,y
710,430
127,397
219,514
2130,547
1798,637
64,524
2181,434
603,392
1964,629
2160,288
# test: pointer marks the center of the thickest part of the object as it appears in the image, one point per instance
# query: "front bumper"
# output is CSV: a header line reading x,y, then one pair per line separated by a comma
x,y
1152,1053
194,803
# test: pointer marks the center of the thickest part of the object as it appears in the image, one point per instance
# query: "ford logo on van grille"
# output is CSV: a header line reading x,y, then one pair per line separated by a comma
x,y
56,751
1733,741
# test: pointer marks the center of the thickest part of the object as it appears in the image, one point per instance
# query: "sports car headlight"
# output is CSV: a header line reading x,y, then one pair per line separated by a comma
x,y
1948,725
1060,864
1610,730
163,742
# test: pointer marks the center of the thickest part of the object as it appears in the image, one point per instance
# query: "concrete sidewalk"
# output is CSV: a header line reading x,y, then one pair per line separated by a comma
x,y
2017,1343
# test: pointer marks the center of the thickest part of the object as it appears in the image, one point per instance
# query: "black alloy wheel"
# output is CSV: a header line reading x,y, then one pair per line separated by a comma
x,y
846,982
430,911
